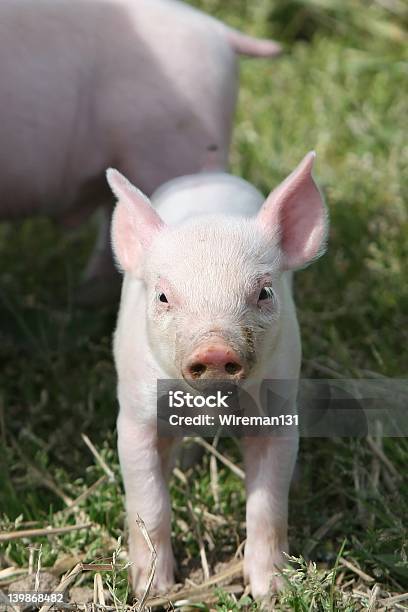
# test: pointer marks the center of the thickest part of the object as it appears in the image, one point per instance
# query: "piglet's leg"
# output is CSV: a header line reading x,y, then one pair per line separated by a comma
x,y
269,463
143,461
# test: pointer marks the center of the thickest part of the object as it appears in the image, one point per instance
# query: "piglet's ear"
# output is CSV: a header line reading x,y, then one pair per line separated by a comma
x,y
295,212
134,222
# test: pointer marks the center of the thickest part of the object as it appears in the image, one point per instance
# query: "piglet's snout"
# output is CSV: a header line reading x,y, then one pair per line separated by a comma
x,y
216,360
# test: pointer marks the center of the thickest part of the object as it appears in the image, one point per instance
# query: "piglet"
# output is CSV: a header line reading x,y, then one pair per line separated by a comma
x,y
207,294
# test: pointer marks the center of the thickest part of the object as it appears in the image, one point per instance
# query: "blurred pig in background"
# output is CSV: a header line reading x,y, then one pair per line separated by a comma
x,y
147,86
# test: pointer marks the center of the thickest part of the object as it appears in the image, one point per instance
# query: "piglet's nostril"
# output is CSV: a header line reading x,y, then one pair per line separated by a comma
x,y
232,367
197,370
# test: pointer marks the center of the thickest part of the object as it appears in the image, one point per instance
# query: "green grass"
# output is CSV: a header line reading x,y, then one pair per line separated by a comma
x,y
340,89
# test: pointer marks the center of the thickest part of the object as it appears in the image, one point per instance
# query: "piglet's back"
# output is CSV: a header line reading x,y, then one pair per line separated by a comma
x,y
202,194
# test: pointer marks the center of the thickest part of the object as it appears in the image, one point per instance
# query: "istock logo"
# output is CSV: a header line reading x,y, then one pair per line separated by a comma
x,y
179,399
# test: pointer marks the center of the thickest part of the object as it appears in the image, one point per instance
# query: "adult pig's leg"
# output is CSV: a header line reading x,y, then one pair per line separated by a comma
x,y
101,280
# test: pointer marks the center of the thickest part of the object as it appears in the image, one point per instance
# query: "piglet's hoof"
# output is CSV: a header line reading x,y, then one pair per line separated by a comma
x,y
160,586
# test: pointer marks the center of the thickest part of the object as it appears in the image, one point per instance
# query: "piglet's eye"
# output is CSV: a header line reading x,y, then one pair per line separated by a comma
x,y
266,293
162,298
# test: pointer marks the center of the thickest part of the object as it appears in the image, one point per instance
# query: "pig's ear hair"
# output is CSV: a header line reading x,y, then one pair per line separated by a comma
x,y
295,213
134,222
